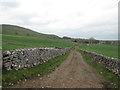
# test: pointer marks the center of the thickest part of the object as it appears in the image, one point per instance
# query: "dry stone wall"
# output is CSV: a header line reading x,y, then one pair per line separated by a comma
x,y
25,58
112,64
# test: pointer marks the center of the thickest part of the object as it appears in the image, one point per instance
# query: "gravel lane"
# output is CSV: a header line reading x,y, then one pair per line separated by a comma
x,y
74,72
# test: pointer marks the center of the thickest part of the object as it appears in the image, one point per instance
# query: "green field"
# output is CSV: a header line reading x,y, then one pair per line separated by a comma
x,y
16,37
106,50
11,42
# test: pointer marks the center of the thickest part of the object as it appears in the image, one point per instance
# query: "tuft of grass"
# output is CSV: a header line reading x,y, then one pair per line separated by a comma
x,y
107,50
13,76
111,80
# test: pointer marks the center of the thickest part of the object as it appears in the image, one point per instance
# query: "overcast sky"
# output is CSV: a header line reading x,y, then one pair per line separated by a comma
x,y
74,18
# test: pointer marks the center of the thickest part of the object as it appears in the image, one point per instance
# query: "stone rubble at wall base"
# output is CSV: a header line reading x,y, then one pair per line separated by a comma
x,y
112,64
25,58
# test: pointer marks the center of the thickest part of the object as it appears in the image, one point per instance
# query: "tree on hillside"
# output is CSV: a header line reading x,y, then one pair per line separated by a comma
x,y
65,37
91,40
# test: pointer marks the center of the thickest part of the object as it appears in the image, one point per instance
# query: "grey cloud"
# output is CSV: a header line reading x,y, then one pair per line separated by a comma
x,y
101,31
25,20
106,29
6,5
108,23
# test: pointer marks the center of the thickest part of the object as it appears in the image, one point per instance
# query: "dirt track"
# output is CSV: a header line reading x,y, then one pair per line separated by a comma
x,y
74,72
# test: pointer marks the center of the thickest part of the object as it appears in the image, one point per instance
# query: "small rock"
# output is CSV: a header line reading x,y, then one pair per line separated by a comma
x,y
48,76
25,80
101,72
48,86
38,75
40,78
33,80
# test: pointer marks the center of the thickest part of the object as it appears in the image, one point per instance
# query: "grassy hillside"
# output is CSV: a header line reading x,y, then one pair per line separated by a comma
x,y
11,40
21,31
107,50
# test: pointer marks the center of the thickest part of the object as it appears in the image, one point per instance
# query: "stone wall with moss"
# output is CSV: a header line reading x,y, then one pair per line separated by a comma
x,y
112,64
25,58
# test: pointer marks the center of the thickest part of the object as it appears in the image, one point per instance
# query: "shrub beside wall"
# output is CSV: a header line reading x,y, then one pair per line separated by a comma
x,y
112,64
25,58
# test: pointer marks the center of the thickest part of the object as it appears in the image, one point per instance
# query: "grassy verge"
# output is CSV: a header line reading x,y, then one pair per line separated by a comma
x,y
111,80
42,69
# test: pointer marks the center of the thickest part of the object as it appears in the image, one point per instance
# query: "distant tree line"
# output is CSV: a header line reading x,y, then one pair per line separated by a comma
x,y
91,41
